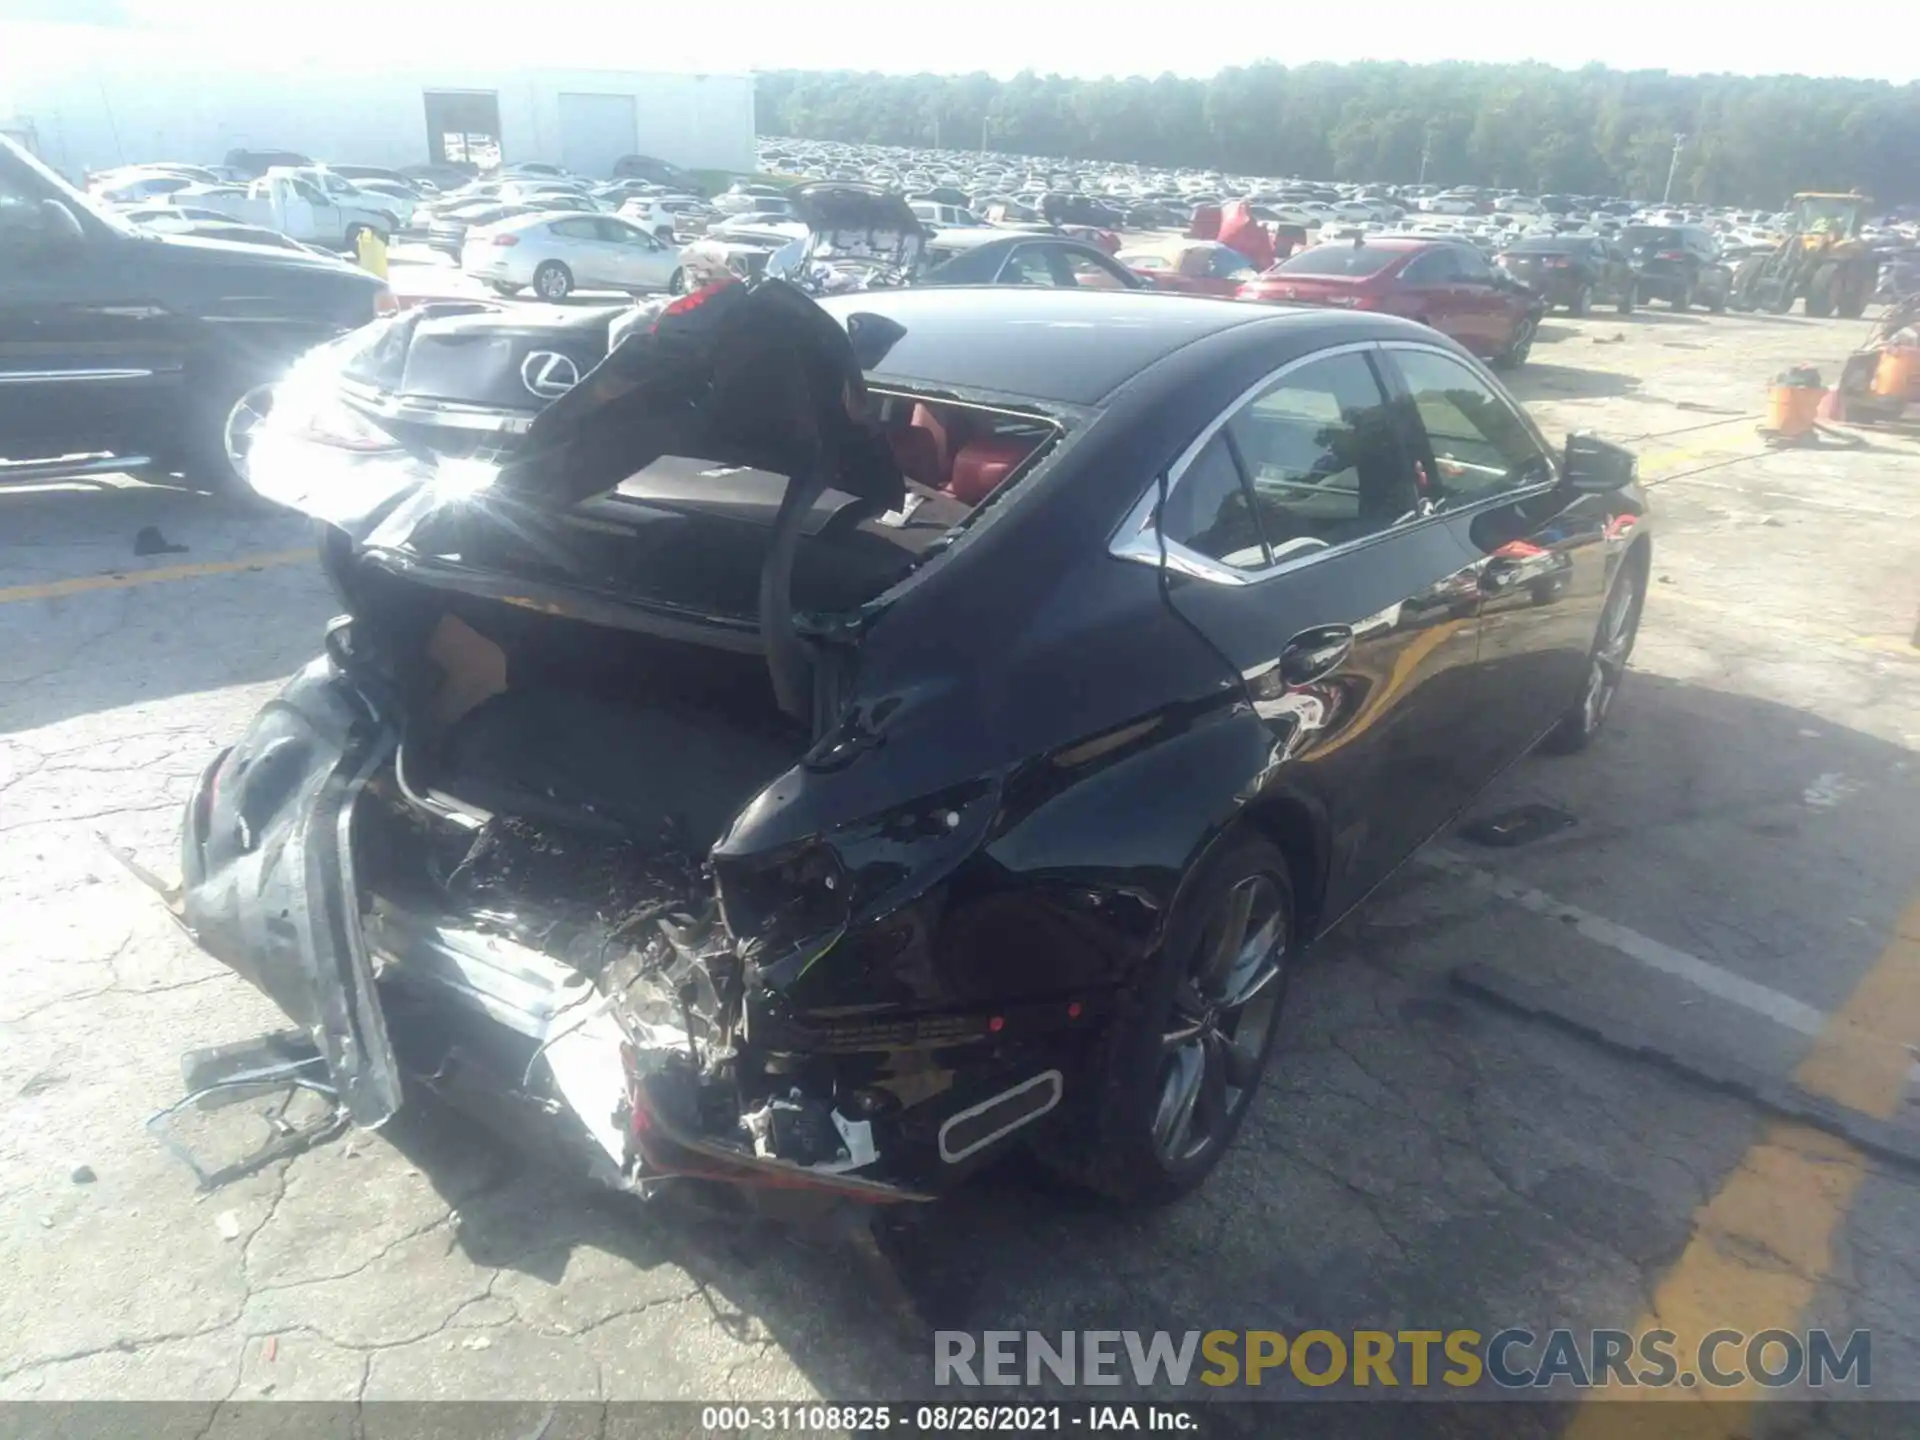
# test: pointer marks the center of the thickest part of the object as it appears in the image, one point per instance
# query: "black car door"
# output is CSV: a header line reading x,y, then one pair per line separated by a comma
x,y
1297,540
1540,549
87,360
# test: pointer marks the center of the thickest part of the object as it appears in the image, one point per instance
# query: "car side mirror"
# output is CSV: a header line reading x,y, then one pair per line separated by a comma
x,y
1598,467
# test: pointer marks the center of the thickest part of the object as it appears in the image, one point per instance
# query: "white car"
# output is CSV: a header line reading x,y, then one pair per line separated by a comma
x,y
944,217
669,215
558,253
143,189
398,208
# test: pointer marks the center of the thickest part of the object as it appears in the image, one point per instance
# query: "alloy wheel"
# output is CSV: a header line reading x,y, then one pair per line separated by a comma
x,y
243,423
1211,1048
1611,649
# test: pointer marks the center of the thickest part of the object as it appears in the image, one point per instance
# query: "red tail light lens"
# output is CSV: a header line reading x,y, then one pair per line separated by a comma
x,y
1559,264
1670,255
506,239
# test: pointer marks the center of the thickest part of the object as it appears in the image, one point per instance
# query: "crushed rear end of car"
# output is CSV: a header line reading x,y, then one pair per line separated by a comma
x,y
580,809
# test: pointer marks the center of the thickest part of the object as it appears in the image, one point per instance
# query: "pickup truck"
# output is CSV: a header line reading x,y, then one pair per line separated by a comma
x,y
313,206
127,350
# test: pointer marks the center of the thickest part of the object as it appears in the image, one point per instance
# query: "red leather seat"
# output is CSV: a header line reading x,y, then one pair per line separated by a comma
x,y
948,432
918,455
979,466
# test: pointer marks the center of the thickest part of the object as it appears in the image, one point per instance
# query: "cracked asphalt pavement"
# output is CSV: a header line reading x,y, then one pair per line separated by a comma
x,y
1417,1158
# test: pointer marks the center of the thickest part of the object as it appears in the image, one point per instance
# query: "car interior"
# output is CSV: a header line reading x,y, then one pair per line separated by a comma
x,y
959,451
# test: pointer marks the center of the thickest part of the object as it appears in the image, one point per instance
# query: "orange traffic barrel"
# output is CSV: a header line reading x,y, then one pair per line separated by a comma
x,y
1792,410
1897,376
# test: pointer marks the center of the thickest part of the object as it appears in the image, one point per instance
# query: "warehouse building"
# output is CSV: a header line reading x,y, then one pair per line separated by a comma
x,y
89,98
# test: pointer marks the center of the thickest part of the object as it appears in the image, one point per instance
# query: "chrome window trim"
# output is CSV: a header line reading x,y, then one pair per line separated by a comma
x,y
48,377
1138,539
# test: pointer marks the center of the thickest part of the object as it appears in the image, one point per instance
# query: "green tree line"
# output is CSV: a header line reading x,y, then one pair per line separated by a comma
x,y
1750,140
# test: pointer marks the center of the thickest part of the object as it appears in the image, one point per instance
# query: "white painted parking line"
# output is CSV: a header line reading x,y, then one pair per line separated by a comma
x,y
1716,980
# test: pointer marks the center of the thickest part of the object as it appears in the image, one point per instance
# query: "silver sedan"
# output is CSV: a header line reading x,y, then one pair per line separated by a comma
x,y
557,254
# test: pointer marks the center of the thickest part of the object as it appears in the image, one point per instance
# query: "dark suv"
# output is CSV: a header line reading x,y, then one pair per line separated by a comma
x,y
1573,270
1679,264
124,349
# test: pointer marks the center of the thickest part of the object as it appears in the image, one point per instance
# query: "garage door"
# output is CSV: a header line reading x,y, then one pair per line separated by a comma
x,y
595,131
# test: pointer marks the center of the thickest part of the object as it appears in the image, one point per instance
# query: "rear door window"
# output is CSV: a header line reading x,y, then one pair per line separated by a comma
x,y
1210,510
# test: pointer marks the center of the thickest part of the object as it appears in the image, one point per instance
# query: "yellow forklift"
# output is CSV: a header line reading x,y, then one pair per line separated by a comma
x,y
1823,260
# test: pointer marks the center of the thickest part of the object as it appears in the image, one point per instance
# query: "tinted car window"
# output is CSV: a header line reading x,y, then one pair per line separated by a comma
x,y
581,229
1321,458
1027,266
1085,270
1435,267
1470,264
1354,260
1209,510
1225,264
622,233
1480,445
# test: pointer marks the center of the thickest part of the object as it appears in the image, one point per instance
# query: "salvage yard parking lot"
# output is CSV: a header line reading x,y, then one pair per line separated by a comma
x,y
1650,1068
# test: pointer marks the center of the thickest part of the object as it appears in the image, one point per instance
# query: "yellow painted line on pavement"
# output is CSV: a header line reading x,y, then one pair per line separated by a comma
x,y
1763,1243
159,575
1881,644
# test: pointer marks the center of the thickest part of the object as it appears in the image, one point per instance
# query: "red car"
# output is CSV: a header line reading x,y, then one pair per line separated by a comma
x,y
1447,284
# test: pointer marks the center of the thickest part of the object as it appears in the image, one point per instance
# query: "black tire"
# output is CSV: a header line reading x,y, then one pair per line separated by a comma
x,y
1856,289
1629,298
1519,347
1682,299
500,287
1582,302
1606,664
1718,304
206,450
1129,1139
1820,291
677,283
1746,280
553,281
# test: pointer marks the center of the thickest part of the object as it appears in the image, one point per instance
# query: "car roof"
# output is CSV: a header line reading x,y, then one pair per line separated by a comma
x,y
1071,346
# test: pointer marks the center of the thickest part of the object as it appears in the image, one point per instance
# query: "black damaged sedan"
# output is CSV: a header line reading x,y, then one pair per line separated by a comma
x,y
823,745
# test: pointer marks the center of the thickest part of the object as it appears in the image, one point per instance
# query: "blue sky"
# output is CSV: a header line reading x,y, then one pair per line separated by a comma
x,y
1068,36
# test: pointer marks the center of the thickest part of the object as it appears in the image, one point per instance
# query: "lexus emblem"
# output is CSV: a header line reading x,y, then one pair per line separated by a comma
x,y
549,374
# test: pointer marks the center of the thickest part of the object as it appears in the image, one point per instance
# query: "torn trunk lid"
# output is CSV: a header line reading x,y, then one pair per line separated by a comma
x,y
425,445
858,233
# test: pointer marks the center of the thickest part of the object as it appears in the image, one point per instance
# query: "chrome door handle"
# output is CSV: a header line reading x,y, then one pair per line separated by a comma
x,y
1313,654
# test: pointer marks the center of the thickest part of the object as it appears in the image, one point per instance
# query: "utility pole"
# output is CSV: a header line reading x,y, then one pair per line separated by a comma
x,y
1678,142
936,129
983,134
1426,154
